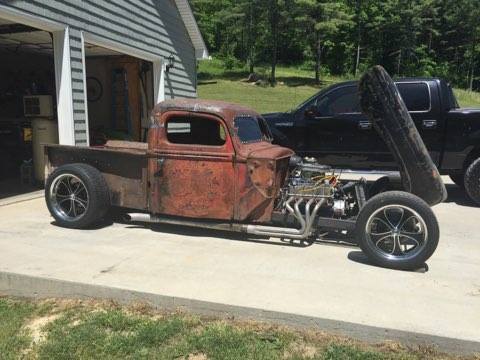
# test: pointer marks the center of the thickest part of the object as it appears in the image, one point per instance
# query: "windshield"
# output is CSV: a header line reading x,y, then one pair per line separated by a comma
x,y
310,99
252,129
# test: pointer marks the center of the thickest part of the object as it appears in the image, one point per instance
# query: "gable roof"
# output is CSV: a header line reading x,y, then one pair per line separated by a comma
x,y
201,51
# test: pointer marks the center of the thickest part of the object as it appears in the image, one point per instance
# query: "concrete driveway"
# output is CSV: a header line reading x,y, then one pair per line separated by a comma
x,y
321,281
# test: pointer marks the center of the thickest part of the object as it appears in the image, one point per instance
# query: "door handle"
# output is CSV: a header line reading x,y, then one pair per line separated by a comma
x,y
364,125
429,124
160,163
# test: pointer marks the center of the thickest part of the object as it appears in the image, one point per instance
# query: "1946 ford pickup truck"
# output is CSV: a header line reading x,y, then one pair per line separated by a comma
x,y
212,164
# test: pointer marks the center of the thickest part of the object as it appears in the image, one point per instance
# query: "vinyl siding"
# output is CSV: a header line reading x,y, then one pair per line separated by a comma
x,y
153,26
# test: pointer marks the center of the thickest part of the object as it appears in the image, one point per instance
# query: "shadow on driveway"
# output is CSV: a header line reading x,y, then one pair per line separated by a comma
x,y
458,196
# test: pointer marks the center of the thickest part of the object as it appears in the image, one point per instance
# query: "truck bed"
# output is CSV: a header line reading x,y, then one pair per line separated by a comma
x,y
123,165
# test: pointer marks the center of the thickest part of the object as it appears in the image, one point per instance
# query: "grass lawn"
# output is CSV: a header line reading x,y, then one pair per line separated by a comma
x,y
294,86
73,329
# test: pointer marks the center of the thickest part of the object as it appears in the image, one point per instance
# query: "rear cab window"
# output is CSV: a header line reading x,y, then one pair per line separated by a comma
x,y
195,130
251,129
416,96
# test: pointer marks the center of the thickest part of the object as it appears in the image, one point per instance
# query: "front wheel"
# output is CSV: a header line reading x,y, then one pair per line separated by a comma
x,y
397,230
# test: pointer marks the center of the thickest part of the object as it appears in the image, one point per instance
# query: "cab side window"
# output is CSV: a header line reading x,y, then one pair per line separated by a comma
x,y
415,95
195,130
341,101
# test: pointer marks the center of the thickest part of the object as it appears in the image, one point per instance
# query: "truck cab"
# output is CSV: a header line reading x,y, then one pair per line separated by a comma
x,y
207,163
331,127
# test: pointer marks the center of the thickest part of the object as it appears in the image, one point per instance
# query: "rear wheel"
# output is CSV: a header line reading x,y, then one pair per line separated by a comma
x,y
472,181
397,230
77,195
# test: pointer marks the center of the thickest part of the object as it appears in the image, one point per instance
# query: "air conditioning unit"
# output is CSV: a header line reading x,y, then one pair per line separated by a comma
x,y
38,106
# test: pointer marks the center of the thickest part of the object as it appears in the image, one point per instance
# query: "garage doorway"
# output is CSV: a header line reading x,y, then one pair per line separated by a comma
x,y
120,95
27,105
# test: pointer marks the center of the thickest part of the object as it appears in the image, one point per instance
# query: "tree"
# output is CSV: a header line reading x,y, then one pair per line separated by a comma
x,y
274,20
408,37
322,19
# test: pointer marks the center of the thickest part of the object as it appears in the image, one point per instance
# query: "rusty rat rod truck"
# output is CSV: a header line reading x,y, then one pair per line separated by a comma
x,y
211,164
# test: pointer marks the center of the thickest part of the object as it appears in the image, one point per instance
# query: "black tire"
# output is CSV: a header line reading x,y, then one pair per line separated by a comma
x,y
405,203
95,195
458,179
472,181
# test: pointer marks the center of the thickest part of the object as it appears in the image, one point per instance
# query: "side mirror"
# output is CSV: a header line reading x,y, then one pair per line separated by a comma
x,y
310,112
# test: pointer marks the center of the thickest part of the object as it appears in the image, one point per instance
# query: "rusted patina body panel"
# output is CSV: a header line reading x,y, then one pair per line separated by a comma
x,y
261,172
190,180
124,170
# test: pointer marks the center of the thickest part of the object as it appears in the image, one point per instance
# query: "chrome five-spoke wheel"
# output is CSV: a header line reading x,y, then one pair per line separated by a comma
x,y
396,231
69,197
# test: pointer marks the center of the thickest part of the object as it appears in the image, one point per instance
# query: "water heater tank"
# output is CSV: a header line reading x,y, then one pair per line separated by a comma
x,y
44,131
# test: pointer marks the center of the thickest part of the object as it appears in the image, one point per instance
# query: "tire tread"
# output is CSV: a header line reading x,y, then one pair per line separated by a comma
x,y
472,181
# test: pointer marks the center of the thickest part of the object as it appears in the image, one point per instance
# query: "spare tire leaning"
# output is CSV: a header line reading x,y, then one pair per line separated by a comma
x,y
382,103
77,196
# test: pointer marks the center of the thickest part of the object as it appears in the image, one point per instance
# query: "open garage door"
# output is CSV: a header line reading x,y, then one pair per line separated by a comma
x,y
27,105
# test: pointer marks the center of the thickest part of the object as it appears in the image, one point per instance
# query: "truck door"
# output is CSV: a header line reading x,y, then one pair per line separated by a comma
x,y
422,101
191,168
339,134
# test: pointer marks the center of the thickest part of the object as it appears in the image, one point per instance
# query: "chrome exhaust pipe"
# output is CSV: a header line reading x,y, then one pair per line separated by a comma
x,y
298,234
304,232
149,218
138,217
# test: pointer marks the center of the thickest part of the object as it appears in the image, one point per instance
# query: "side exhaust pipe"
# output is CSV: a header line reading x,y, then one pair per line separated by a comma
x,y
298,234
137,217
148,218
261,230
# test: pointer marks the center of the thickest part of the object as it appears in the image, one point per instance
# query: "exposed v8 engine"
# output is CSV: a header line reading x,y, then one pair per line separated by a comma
x,y
314,189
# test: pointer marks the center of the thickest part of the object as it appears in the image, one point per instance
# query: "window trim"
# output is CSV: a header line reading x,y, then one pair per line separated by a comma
x,y
209,117
429,95
343,113
396,84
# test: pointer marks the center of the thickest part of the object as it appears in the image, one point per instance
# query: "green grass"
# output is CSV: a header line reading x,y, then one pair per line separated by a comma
x,y
101,330
294,86
467,98
13,315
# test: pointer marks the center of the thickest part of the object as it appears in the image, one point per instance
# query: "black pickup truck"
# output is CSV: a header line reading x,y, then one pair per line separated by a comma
x,y
330,127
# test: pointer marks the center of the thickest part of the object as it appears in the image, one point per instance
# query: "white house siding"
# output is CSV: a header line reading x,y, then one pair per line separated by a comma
x,y
152,26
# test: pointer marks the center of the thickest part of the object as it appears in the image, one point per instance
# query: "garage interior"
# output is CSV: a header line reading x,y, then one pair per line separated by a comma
x,y
119,97
119,94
